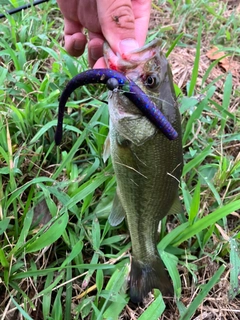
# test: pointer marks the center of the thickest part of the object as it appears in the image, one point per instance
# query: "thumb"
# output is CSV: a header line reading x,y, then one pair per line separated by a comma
x,y
117,21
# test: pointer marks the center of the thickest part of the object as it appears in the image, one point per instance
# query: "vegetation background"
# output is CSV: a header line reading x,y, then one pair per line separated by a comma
x,y
59,257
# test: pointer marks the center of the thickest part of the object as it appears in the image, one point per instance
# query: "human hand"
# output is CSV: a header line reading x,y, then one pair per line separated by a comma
x,y
122,23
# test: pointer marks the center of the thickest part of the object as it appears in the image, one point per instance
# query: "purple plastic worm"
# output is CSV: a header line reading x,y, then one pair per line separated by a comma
x,y
135,95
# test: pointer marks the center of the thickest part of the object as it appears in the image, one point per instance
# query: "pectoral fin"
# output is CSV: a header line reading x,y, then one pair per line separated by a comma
x,y
117,214
106,149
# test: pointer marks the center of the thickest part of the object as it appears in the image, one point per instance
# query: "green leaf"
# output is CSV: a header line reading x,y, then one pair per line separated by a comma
x,y
226,99
96,234
156,308
196,160
195,204
48,289
24,232
57,312
46,301
169,238
44,272
171,263
51,235
235,268
20,309
3,74
85,189
69,293
116,291
99,280
187,103
174,43
74,252
90,272
194,116
4,225
20,190
206,221
196,63
3,261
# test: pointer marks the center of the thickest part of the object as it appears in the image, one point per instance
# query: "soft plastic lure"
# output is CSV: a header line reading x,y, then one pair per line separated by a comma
x,y
115,80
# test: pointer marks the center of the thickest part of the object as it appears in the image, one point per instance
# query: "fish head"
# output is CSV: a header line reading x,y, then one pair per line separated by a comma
x,y
150,70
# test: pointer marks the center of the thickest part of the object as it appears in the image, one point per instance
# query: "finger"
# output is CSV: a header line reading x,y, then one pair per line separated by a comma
x,y
95,47
75,40
118,24
100,64
141,11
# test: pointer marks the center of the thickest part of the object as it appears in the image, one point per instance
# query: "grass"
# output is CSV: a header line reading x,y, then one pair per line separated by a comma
x,y
59,257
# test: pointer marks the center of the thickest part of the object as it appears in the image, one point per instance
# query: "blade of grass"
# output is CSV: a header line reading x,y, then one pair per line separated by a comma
x,y
235,268
206,221
171,263
196,160
196,63
226,99
20,309
50,236
156,308
194,116
174,43
36,273
116,288
194,209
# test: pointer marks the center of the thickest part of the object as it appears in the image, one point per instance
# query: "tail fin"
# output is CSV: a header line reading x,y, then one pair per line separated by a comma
x,y
146,276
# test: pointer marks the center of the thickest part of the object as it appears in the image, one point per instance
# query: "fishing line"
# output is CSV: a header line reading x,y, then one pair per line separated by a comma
x,y
23,7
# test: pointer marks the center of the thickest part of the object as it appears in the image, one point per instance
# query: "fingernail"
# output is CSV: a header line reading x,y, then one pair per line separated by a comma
x,y
128,45
78,45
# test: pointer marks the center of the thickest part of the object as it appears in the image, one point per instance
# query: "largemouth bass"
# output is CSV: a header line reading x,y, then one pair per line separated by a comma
x,y
147,165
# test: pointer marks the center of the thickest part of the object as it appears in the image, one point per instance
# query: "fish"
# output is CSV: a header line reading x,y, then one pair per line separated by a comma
x,y
147,165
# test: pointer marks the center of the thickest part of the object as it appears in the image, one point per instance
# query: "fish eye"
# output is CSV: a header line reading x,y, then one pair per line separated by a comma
x,y
152,81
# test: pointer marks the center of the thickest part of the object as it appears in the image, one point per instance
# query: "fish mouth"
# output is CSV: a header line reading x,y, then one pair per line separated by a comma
x,y
134,59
